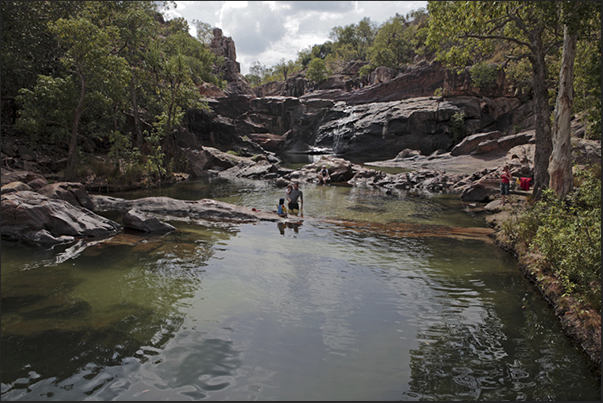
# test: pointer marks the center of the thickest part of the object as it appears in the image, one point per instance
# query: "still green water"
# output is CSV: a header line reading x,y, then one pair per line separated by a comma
x,y
350,305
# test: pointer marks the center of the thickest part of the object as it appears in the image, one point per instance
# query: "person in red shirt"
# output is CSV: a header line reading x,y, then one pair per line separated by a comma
x,y
505,183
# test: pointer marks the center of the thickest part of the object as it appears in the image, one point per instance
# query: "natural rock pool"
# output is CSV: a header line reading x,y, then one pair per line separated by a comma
x,y
373,297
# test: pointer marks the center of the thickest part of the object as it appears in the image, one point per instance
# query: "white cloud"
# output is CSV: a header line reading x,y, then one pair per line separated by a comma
x,y
268,31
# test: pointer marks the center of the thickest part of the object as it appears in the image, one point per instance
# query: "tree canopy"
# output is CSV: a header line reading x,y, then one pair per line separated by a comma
x,y
88,69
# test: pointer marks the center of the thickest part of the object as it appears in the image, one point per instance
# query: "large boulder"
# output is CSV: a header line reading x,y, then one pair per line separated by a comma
x,y
262,169
15,187
72,192
339,169
34,218
268,141
420,80
504,143
295,86
475,192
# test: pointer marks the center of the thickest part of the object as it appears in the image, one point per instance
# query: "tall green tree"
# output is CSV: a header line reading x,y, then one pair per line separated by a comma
x,y
317,70
137,28
27,48
90,59
111,61
257,73
464,31
392,45
587,83
353,41
173,92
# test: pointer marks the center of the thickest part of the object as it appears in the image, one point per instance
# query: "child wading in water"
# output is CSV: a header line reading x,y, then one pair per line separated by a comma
x,y
281,210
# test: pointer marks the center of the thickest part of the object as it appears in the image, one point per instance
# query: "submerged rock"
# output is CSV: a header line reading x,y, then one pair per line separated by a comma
x,y
203,209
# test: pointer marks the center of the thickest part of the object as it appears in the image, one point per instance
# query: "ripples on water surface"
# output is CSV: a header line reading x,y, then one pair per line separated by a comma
x,y
374,297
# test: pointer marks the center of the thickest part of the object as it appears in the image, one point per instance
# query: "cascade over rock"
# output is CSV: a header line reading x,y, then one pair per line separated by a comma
x,y
313,124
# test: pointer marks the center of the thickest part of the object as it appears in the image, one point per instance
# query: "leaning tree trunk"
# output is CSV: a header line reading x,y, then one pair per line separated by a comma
x,y
544,144
560,163
72,156
137,130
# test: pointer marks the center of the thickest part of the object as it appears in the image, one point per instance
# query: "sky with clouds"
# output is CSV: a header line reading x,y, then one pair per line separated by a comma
x,y
268,31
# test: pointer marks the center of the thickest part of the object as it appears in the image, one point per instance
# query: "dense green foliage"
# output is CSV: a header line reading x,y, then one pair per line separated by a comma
x,y
110,72
587,79
317,71
567,233
484,76
260,74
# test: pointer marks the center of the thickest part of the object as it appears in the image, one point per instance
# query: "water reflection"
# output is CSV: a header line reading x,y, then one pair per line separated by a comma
x,y
282,225
197,365
480,362
123,299
481,344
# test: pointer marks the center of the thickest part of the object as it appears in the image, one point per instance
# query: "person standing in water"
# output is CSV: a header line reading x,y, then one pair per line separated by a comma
x,y
295,199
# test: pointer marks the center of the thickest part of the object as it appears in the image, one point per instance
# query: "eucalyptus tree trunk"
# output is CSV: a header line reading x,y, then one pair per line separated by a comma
x,y
560,163
72,156
544,144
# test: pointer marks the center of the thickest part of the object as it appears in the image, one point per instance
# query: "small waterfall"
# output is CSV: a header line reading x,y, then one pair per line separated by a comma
x,y
348,117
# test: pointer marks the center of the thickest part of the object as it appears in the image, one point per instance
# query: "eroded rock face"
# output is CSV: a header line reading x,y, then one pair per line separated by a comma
x,y
347,129
230,69
37,219
223,46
